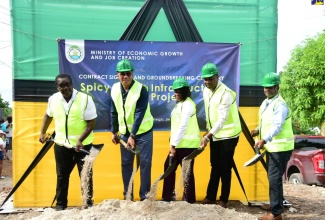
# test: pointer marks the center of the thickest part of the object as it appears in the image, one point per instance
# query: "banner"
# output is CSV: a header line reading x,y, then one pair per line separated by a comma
x,y
92,67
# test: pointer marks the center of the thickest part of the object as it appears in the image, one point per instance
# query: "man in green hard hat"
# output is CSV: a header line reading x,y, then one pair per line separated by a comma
x,y
132,119
276,137
223,130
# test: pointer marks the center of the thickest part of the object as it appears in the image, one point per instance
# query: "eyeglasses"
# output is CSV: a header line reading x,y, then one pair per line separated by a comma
x,y
271,87
63,85
128,74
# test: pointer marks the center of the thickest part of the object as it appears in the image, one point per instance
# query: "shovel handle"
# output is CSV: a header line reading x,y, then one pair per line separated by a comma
x,y
257,151
127,147
170,159
73,147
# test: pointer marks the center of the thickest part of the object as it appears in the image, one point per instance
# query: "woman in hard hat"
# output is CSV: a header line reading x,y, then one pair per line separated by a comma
x,y
184,139
3,152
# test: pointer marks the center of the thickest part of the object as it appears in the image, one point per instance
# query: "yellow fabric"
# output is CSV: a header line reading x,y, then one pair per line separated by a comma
x,y
232,125
38,189
126,111
284,140
76,123
191,138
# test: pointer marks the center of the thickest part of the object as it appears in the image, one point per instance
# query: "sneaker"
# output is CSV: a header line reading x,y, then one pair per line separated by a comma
x,y
2,177
286,203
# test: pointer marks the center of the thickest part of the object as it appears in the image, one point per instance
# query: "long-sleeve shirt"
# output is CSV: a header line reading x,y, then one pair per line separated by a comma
x,y
280,114
187,111
223,110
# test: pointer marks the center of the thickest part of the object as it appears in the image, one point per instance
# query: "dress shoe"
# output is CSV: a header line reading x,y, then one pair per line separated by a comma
x,y
265,207
223,204
270,216
207,201
60,208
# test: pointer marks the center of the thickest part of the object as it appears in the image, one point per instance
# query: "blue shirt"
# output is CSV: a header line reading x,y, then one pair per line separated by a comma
x,y
280,114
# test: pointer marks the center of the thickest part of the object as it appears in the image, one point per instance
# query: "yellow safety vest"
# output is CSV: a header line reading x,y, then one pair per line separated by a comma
x,y
126,111
232,126
284,141
74,121
191,138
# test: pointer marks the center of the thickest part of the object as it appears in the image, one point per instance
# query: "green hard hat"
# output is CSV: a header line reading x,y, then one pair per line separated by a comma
x,y
180,83
208,70
124,66
271,79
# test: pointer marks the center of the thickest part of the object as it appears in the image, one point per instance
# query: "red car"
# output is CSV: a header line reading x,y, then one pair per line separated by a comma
x,y
306,165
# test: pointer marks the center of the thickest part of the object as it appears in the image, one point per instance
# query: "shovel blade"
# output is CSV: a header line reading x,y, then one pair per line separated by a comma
x,y
254,159
95,149
168,171
194,154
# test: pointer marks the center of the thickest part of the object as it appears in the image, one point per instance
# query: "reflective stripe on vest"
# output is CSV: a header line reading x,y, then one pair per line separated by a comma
x,y
284,141
73,121
232,126
191,138
126,111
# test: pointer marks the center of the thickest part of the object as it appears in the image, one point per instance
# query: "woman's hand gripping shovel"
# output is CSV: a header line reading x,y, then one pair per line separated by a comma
x,y
136,152
258,156
194,153
170,168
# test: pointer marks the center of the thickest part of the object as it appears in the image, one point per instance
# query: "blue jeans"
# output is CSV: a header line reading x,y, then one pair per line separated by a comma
x,y
144,144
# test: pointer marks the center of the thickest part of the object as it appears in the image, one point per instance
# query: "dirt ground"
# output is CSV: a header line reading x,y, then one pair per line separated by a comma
x,y
308,203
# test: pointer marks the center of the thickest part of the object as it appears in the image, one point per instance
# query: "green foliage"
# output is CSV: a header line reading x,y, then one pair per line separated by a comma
x,y
303,82
5,106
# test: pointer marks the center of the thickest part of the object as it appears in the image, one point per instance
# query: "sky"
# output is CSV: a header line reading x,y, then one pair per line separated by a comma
x,y
297,20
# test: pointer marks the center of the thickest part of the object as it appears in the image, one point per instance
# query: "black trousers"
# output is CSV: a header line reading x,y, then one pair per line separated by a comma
x,y
277,163
221,159
66,159
168,193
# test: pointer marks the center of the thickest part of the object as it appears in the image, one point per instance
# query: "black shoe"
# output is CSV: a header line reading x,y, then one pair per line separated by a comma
x,y
90,202
60,208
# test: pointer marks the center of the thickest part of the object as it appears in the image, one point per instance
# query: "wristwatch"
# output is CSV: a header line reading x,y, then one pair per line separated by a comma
x,y
132,136
206,138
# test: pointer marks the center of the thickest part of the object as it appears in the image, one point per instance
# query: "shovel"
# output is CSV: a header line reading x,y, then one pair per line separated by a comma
x,y
258,156
136,152
170,168
194,153
95,147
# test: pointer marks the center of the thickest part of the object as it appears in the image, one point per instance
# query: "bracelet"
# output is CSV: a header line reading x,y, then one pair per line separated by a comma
x,y
132,136
206,138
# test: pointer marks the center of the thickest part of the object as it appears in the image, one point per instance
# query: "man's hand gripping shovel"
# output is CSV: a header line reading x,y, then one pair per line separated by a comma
x,y
94,150
136,152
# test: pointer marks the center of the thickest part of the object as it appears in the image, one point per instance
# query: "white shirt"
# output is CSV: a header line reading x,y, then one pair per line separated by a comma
x,y
187,111
3,143
223,109
89,113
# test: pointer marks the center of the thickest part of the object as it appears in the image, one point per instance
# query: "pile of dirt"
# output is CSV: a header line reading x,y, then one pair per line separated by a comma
x,y
308,203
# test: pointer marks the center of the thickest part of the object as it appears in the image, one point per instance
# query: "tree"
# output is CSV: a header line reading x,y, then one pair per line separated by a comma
x,y
303,82
5,106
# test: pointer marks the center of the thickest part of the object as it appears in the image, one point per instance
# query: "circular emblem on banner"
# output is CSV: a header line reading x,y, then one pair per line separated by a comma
x,y
75,54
